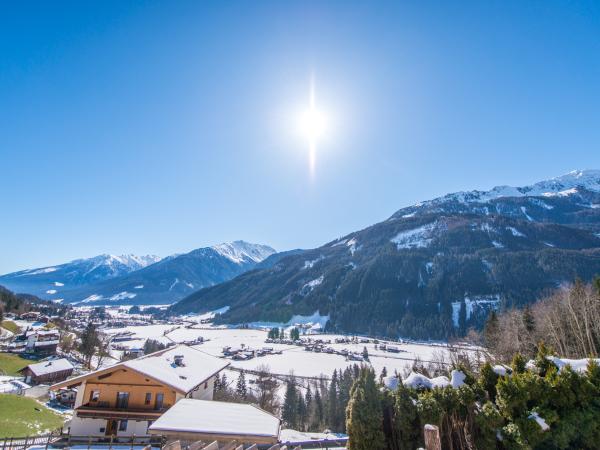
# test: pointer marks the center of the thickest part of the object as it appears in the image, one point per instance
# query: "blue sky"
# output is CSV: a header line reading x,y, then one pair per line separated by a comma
x,y
159,127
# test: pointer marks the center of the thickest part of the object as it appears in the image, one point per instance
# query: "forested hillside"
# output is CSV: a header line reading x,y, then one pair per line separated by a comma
x,y
431,270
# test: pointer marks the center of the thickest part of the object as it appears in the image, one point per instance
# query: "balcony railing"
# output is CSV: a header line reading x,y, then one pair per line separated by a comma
x,y
105,411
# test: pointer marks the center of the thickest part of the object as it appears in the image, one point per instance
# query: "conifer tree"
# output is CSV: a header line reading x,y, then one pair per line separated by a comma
x,y
89,343
289,413
240,388
364,416
382,375
407,426
319,413
491,330
332,403
365,353
302,413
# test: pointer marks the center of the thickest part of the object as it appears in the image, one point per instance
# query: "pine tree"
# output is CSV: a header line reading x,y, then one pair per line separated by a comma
x,y
240,388
295,334
308,399
319,414
407,426
302,414
491,330
289,413
89,343
382,375
332,403
528,319
365,353
364,416
274,333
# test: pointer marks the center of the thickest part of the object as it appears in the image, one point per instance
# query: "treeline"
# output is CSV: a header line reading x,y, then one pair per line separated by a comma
x,y
527,406
22,303
308,404
568,321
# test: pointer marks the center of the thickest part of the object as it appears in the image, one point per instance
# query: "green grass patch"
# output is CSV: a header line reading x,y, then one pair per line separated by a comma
x,y
23,416
10,326
11,363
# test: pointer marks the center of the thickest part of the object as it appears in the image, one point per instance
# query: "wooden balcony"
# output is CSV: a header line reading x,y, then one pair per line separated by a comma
x,y
103,410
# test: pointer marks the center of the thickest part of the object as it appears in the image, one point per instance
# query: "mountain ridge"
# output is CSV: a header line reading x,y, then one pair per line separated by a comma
x,y
408,274
148,279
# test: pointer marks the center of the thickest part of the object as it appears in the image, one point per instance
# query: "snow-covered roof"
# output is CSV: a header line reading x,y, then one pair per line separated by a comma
x,y
46,367
217,418
196,367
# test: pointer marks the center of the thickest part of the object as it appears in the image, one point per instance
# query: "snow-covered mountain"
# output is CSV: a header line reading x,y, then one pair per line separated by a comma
x,y
130,279
45,282
572,183
414,273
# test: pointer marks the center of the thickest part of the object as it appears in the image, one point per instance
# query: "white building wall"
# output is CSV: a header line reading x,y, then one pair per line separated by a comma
x,y
87,427
80,392
92,427
205,390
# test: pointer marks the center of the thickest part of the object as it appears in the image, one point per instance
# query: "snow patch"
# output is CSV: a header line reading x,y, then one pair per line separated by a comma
x,y
497,244
174,284
40,271
420,237
310,264
139,286
540,421
308,287
92,298
515,232
352,245
524,211
482,302
58,284
541,203
122,296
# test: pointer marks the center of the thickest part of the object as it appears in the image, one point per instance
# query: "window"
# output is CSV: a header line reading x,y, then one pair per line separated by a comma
x,y
148,398
94,396
122,399
206,385
158,401
123,425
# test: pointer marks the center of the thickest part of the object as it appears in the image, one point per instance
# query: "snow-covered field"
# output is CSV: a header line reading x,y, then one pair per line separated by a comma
x,y
293,358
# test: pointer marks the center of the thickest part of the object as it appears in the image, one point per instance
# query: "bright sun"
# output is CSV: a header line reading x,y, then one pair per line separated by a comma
x,y
312,124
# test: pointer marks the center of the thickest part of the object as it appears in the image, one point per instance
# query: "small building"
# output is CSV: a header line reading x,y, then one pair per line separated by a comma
x,y
48,372
199,420
65,397
43,342
124,399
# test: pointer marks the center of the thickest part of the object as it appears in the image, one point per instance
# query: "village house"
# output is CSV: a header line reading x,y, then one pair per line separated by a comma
x,y
124,399
47,372
40,342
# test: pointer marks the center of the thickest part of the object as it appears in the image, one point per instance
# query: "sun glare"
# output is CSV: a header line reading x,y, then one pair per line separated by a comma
x,y
312,124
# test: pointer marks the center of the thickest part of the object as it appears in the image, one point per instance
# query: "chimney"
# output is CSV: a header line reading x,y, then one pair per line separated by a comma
x,y
178,359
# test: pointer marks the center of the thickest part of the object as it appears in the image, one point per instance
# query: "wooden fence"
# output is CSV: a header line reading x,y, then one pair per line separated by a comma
x,y
22,443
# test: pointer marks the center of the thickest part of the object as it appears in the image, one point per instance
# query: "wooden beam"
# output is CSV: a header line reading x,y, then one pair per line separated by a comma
x,y
432,437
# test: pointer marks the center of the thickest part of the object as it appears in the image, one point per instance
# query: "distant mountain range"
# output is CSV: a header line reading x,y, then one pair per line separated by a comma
x,y
432,269
129,279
